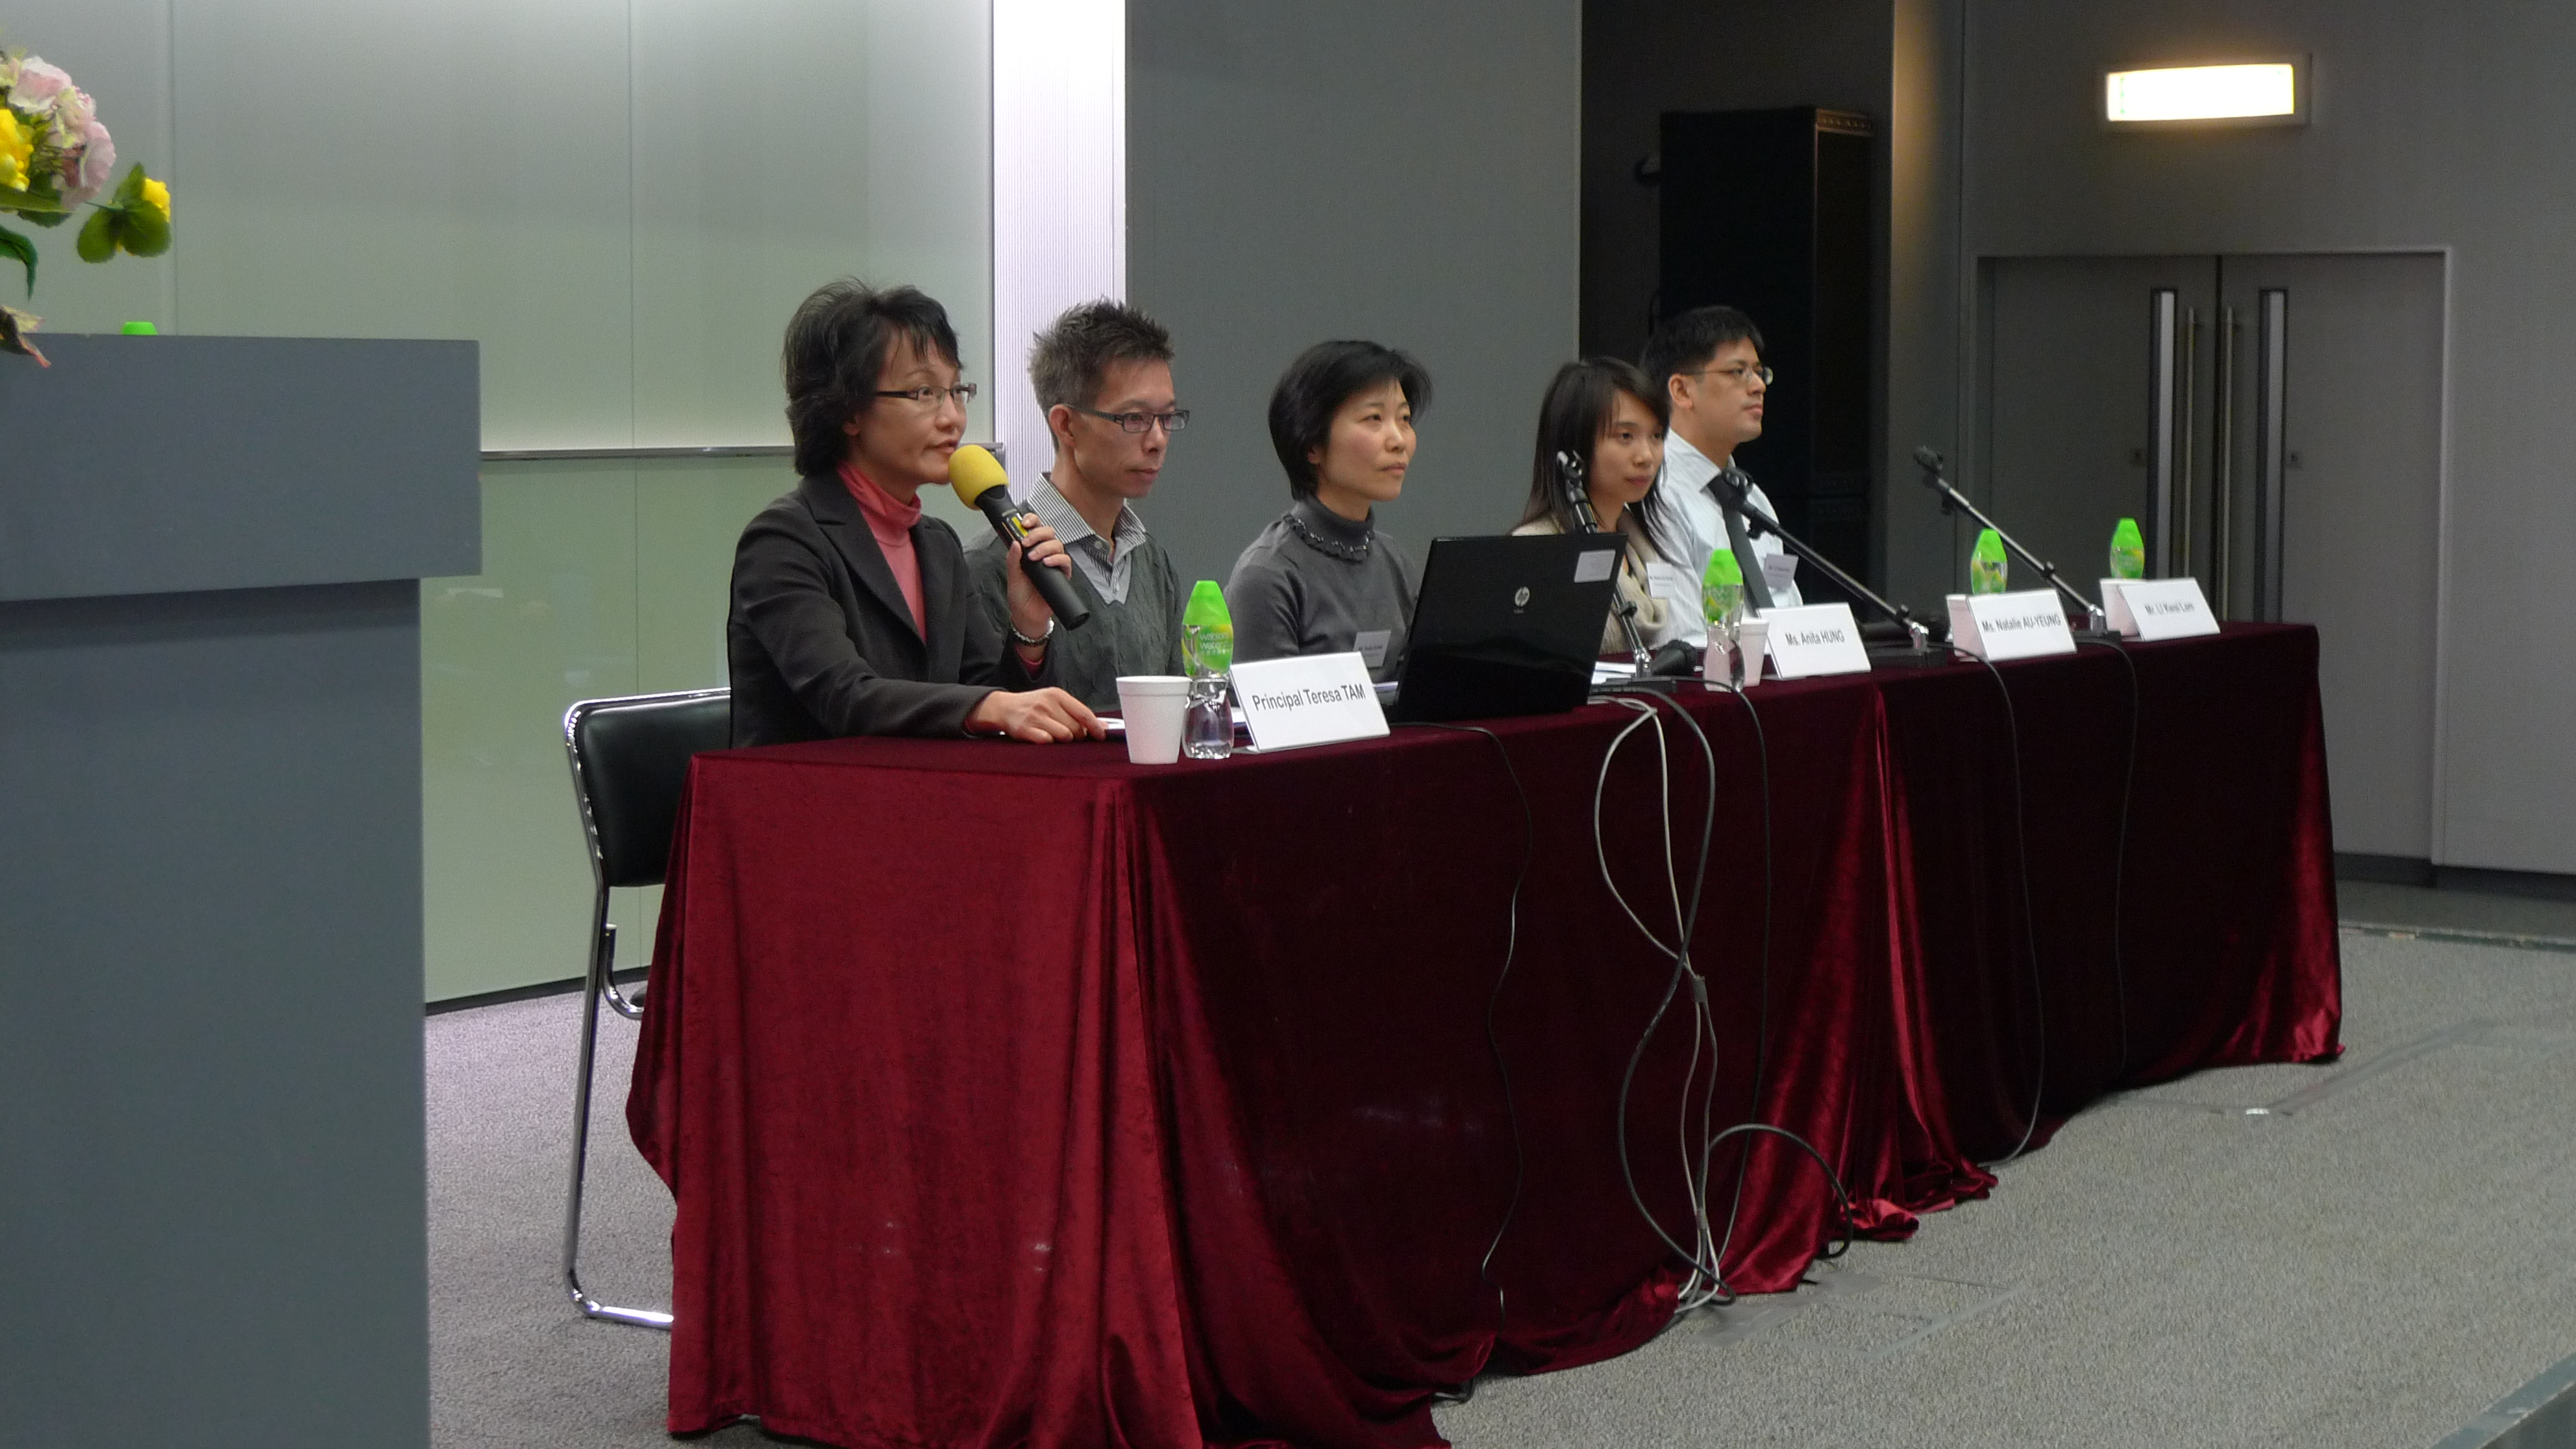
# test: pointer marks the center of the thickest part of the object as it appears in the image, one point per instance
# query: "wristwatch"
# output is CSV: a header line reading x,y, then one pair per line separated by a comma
x,y
1039,642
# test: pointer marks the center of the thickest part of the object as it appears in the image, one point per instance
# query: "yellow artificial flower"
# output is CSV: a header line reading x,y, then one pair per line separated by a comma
x,y
157,196
17,143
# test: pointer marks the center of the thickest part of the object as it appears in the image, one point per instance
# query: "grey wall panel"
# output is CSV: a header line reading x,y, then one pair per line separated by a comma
x,y
1918,543
211,1149
1341,169
2432,126
169,464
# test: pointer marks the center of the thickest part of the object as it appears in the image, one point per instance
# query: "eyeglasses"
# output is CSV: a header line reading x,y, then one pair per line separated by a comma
x,y
930,397
1736,374
1173,421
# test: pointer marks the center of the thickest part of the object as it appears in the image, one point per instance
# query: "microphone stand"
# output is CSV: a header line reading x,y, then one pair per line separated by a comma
x,y
1569,473
1918,652
2096,623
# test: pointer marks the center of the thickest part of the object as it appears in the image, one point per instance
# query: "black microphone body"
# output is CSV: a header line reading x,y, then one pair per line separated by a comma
x,y
1011,524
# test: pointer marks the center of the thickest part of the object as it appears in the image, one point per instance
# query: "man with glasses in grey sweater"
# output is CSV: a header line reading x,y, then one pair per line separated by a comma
x,y
1103,373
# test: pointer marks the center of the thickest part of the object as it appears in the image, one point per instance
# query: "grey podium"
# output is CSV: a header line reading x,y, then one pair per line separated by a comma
x,y
211,1172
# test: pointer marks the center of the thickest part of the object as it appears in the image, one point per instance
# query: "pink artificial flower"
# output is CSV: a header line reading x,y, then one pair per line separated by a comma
x,y
73,110
38,84
91,168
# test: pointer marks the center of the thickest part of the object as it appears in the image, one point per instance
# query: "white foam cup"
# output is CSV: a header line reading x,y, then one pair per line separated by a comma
x,y
1154,705
1751,636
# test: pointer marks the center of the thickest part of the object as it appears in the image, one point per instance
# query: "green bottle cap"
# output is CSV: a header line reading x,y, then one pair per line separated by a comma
x,y
140,329
2125,535
1206,607
1990,545
1723,569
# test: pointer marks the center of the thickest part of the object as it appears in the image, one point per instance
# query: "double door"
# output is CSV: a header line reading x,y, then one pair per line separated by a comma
x,y
2274,423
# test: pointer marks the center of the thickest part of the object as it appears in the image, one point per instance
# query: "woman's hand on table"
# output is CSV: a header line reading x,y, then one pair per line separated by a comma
x,y
1039,716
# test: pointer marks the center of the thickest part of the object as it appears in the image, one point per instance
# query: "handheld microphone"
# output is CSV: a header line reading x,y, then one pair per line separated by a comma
x,y
981,484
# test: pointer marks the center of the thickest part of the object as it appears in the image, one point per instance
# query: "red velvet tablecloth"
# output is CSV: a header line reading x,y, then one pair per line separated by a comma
x,y
1019,1096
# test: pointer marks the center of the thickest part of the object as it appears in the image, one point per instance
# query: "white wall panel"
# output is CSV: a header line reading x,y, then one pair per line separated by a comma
x,y
1059,190
779,145
390,170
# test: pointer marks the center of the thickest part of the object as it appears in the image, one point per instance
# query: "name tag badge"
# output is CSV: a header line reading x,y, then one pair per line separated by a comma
x,y
1668,583
1318,699
2153,609
1815,639
2020,625
1779,571
1372,647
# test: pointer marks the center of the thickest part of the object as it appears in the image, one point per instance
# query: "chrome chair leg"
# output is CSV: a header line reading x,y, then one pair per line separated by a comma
x,y
595,985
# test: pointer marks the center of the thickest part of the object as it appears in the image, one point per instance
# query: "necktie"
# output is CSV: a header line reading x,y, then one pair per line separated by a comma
x,y
1757,588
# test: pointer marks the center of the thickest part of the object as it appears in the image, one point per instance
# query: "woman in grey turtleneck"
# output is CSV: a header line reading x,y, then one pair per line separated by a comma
x,y
1322,579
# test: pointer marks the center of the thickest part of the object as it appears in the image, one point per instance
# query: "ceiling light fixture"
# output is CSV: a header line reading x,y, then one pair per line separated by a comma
x,y
2246,93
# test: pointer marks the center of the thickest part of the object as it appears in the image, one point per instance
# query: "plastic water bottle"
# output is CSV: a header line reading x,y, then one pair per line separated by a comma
x,y
2128,551
1207,652
1721,603
1988,571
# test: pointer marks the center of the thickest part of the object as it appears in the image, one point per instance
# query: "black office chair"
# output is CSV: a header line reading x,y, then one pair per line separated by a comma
x,y
630,759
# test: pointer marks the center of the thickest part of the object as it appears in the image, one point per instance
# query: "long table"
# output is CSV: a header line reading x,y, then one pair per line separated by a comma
x,y
1017,1095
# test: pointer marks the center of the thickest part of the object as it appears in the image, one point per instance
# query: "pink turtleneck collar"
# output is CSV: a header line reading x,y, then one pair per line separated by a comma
x,y
891,521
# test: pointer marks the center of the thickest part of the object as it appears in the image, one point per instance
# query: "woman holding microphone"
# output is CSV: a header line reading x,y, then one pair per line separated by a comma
x,y
852,612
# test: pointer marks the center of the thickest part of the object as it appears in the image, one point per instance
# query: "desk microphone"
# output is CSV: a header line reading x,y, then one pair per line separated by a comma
x,y
982,485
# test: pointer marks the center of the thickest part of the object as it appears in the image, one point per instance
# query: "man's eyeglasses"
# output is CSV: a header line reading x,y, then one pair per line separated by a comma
x,y
1172,421
1737,373
929,397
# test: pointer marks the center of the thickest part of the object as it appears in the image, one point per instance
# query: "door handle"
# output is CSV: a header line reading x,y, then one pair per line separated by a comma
x,y
2222,464
2163,334
2189,366
2271,444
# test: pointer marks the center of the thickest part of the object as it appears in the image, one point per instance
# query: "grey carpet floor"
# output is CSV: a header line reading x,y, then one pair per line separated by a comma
x,y
2376,1258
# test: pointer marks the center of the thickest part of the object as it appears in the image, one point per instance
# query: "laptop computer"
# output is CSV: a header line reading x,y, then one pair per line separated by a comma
x,y
1506,626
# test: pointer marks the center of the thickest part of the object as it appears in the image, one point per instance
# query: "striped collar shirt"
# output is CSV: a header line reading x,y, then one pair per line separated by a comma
x,y
1106,562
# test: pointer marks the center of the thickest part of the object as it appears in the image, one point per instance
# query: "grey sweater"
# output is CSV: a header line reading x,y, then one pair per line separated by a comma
x,y
1139,636
1289,597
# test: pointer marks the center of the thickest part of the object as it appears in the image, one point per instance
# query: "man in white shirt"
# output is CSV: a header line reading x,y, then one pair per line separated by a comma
x,y
1709,363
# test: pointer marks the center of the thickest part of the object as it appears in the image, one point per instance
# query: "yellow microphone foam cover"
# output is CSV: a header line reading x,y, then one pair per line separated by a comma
x,y
974,471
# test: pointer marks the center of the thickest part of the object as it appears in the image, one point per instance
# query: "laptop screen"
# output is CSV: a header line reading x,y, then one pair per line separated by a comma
x,y
1507,626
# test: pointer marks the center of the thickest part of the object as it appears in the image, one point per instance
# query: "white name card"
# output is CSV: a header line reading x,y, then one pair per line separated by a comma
x,y
2020,625
2158,608
1317,699
1815,639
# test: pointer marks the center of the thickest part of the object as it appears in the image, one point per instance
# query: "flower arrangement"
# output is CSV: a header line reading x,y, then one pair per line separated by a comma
x,y
55,158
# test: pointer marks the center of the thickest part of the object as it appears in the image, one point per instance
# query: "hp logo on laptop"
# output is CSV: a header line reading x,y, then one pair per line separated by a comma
x,y
1520,597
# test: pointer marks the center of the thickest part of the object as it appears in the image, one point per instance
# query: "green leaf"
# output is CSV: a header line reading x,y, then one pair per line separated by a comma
x,y
130,190
14,245
98,234
145,233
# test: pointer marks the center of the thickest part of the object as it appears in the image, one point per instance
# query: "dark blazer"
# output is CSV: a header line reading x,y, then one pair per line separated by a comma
x,y
821,644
